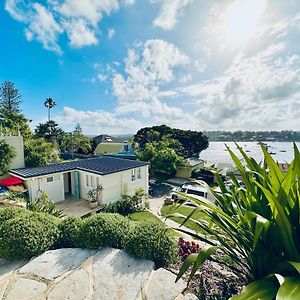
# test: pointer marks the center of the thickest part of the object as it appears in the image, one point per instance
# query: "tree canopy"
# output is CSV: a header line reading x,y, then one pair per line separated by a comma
x,y
7,153
192,142
39,152
10,98
161,155
14,122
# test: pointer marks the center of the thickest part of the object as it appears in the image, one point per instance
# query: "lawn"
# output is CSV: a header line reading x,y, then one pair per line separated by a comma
x,y
184,210
143,216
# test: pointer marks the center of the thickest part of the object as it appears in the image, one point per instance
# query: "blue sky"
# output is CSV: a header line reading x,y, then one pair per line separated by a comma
x,y
115,66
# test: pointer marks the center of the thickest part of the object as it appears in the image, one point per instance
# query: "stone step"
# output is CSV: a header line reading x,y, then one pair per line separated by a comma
x,y
162,286
54,263
118,276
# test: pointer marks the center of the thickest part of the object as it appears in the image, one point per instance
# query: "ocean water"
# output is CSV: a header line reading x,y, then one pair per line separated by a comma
x,y
216,152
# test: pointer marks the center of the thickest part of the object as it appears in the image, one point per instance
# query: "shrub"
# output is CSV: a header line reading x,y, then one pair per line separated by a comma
x,y
45,205
27,234
9,213
127,205
69,230
152,241
104,230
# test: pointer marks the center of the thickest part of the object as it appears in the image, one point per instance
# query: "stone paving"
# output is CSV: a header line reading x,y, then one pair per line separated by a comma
x,y
78,274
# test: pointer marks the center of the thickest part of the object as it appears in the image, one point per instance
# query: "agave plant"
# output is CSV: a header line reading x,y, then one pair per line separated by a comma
x,y
256,225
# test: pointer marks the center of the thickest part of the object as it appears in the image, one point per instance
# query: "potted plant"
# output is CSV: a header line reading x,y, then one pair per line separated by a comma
x,y
93,196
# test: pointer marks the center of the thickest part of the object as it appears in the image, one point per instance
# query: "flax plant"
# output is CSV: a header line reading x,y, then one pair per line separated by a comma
x,y
256,225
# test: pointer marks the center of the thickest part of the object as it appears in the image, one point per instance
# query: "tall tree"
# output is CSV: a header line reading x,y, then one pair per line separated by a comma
x,y
10,97
39,152
49,103
50,131
7,153
192,142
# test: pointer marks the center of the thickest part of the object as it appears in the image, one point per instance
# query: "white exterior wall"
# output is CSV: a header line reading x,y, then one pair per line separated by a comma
x,y
17,143
54,189
114,185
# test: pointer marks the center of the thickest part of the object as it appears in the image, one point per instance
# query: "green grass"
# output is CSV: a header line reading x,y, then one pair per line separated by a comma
x,y
148,216
143,216
184,210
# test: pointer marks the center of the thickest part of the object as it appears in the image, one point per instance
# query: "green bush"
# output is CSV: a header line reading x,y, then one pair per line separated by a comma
x,y
127,205
27,234
69,230
151,240
104,229
9,213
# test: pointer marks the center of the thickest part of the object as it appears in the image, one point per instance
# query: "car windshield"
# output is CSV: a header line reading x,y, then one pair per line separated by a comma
x,y
194,192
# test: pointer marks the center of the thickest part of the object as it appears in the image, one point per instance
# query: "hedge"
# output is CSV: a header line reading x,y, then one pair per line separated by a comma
x,y
27,234
152,241
69,230
104,230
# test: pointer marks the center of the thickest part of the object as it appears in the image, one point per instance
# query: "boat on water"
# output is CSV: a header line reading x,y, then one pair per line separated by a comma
x,y
282,150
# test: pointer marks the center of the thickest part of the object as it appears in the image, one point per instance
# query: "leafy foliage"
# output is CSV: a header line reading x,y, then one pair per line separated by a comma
x,y
14,122
69,230
9,213
256,226
27,234
152,241
7,153
50,131
162,155
45,205
103,230
10,97
192,142
49,103
127,205
38,152
94,194
76,142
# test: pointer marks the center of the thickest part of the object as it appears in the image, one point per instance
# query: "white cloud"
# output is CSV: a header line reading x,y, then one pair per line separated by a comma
x,y
253,88
79,33
99,121
169,12
79,19
111,33
146,69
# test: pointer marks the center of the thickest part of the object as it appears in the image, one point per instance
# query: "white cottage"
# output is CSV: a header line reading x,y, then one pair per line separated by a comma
x,y
117,176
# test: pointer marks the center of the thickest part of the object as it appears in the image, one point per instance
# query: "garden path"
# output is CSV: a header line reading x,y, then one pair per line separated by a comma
x,y
83,274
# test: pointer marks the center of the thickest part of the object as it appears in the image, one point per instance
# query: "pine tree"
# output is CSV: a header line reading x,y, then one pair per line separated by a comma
x,y
10,97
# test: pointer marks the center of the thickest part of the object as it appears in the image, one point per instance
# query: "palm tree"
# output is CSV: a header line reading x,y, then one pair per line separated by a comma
x,y
49,103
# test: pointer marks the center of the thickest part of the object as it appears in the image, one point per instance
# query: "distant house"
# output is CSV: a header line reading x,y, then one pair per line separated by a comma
x,y
76,178
190,164
104,148
126,152
105,138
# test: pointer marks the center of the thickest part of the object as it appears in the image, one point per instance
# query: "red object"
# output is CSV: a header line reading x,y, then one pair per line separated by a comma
x,y
12,180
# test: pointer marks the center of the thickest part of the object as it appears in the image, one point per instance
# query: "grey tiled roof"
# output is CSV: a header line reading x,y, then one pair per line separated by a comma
x,y
100,165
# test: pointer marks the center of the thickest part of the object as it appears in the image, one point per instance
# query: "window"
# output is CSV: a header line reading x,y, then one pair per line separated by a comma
x,y
98,181
126,149
138,176
53,178
87,180
93,181
133,175
49,179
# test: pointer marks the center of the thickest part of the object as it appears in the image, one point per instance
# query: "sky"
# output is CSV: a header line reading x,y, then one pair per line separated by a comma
x,y
115,66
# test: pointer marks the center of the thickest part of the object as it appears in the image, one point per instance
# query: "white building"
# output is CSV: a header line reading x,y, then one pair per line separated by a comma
x,y
117,176
17,143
